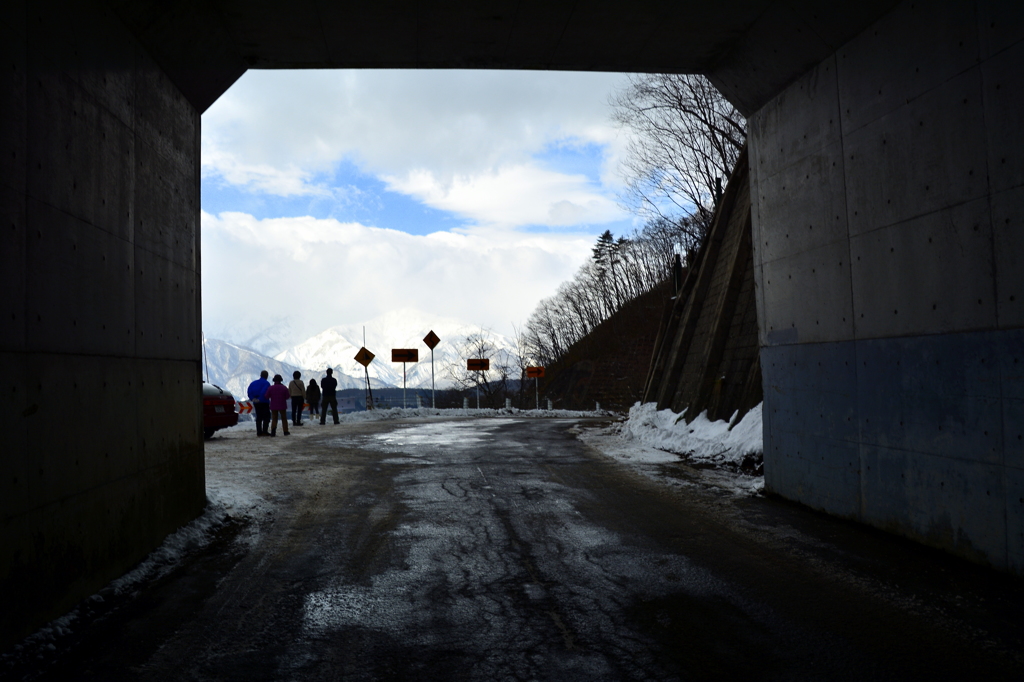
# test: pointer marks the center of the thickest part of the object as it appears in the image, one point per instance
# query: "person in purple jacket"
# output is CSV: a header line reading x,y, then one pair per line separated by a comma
x,y
278,395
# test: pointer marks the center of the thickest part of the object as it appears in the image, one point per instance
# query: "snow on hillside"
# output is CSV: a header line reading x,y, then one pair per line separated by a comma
x,y
336,347
233,368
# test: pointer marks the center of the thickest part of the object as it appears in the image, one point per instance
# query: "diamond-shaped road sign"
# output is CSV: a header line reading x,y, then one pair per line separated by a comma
x,y
405,355
431,339
364,357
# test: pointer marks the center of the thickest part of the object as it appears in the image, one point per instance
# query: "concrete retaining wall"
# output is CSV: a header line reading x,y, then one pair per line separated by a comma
x,y
99,189
706,358
888,233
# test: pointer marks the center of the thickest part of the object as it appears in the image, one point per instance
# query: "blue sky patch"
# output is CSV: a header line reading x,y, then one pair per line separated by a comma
x,y
573,157
349,196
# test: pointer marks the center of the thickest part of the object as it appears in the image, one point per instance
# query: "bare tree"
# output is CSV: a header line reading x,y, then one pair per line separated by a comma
x,y
520,358
492,384
619,271
685,139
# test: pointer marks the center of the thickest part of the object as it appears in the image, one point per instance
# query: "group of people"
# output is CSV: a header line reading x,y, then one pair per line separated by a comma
x,y
270,400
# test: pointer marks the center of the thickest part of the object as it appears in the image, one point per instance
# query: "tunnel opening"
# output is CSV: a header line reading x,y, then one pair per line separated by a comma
x,y
886,230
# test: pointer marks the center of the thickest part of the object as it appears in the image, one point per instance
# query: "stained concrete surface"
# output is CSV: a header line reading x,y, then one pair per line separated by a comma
x,y
99,193
887,247
506,549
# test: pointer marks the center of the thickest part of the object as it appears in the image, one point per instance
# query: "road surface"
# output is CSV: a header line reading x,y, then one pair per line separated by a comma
x,y
508,549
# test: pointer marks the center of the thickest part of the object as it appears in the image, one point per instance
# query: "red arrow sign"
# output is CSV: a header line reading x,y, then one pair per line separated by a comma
x,y
534,372
405,355
479,365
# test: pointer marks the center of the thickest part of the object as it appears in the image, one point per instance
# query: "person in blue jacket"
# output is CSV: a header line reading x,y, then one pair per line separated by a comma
x,y
261,404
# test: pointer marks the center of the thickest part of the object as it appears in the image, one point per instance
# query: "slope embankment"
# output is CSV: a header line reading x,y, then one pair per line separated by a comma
x,y
707,357
609,366
691,351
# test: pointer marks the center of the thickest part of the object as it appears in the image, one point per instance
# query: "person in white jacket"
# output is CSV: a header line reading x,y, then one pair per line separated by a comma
x,y
297,390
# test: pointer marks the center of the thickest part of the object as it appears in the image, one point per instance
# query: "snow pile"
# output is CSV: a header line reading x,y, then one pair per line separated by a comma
x,y
47,641
234,496
702,440
177,545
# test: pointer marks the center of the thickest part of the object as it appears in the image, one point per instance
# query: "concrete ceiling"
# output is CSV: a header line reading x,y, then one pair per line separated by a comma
x,y
750,48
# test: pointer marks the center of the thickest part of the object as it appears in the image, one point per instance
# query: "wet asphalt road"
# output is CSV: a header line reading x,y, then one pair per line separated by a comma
x,y
506,549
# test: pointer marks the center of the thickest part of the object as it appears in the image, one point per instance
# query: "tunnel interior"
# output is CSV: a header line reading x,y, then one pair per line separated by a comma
x,y
887,185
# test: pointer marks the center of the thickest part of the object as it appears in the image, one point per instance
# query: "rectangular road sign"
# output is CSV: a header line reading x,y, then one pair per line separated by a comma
x,y
405,355
534,372
431,339
364,357
478,365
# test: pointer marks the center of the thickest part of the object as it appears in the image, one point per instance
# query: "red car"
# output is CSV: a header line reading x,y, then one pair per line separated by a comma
x,y
218,409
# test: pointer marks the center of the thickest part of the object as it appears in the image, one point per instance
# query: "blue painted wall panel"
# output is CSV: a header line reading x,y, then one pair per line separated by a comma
x,y
1013,433
931,450
1015,520
814,388
947,502
937,394
811,448
1010,355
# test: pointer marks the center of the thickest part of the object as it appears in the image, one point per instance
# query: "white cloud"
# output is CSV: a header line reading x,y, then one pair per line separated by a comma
x,y
274,131
319,273
484,146
512,195
261,177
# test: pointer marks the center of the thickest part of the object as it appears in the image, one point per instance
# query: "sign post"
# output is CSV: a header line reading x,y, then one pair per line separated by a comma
x,y
404,355
536,373
364,358
431,339
478,365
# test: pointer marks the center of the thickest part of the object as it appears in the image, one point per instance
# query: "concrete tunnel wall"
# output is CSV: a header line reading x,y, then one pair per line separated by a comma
x,y
99,192
99,188
888,221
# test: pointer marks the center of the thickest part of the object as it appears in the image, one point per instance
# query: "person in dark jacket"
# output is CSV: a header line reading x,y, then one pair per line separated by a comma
x,y
261,404
329,386
297,391
313,398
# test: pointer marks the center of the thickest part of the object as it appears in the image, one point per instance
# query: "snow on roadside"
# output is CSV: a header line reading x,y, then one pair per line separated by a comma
x,y
175,546
221,507
702,441
663,447
412,412
226,500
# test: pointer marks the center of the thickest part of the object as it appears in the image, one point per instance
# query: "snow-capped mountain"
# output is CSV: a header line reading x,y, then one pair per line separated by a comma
x,y
233,368
336,347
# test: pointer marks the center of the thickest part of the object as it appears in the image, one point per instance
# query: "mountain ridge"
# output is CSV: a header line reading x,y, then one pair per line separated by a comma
x,y
404,328
233,366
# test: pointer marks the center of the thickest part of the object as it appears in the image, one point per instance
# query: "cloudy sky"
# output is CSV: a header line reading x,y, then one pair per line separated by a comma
x,y
330,197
